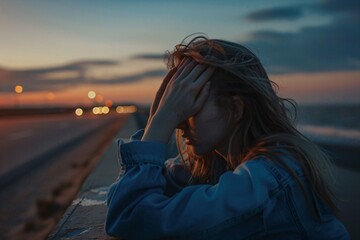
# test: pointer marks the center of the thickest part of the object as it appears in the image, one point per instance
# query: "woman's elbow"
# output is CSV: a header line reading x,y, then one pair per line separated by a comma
x,y
122,230
114,222
112,227
117,225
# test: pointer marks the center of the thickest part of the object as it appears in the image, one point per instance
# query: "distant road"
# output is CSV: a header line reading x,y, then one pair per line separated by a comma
x,y
24,138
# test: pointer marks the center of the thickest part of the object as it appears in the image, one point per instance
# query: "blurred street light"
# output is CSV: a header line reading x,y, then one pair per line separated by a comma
x,y
91,94
105,110
96,110
19,89
79,112
126,109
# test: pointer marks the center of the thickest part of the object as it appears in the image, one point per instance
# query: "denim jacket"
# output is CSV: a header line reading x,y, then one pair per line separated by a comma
x,y
258,200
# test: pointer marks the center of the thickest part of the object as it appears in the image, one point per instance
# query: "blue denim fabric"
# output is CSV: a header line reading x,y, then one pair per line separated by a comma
x,y
258,200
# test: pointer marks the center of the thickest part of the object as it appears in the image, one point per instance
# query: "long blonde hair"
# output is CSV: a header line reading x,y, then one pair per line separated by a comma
x,y
266,121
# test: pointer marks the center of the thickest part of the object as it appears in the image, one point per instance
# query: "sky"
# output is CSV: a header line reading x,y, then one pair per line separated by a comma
x,y
58,51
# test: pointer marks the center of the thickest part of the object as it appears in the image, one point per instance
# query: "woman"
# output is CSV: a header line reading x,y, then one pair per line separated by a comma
x,y
245,171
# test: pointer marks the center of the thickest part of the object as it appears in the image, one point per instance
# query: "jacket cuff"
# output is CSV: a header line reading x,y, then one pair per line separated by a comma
x,y
142,152
137,136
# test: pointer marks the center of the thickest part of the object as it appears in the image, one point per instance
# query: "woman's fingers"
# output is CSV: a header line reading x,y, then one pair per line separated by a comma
x,y
181,66
203,95
189,69
194,76
166,80
186,69
202,85
204,77
186,92
160,91
196,72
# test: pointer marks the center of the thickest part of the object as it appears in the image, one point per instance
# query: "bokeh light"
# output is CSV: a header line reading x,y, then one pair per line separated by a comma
x,y
105,110
99,98
96,110
19,89
79,112
119,109
91,94
126,109
108,103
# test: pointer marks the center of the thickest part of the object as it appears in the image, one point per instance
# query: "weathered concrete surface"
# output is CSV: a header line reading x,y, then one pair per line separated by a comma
x,y
84,219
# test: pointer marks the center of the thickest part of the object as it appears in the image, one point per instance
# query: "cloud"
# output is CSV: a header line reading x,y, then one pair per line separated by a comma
x,y
75,66
69,75
350,7
330,6
330,47
278,13
131,78
149,56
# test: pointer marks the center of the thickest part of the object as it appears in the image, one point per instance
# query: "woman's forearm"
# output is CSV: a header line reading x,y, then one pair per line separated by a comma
x,y
160,128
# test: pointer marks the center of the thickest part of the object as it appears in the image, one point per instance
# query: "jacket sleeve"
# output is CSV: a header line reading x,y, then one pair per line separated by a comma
x,y
139,209
176,176
175,173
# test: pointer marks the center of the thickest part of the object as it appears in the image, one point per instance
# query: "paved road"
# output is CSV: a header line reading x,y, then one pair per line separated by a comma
x,y
24,138
44,140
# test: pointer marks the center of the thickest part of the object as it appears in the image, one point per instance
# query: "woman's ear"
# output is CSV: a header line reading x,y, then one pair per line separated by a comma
x,y
238,108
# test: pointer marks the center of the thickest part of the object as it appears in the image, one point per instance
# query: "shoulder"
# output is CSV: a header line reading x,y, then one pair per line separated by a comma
x,y
258,173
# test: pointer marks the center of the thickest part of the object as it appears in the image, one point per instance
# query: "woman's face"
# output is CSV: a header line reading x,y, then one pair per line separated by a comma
x,y
207,130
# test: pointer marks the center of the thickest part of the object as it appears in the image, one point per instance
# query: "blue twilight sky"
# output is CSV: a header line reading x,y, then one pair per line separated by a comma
x,y
64,48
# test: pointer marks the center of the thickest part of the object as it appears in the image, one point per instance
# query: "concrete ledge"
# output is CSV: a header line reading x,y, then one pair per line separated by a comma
x,y
84,219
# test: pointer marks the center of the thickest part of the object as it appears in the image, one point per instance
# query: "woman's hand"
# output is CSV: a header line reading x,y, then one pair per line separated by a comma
x,y
184,95
161,90
186,92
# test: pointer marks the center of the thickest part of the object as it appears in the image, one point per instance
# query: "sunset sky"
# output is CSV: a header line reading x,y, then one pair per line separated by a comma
x,y
60,50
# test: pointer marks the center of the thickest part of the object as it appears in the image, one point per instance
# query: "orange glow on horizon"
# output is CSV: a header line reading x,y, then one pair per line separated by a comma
x,y
50,96
325,87
320,87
